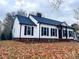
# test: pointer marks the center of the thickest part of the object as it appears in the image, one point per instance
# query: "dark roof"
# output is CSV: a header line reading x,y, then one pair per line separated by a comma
x,y
70,27
47,21
25,20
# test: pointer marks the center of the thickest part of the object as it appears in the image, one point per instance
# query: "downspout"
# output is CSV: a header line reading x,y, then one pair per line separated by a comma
x,y
39,31
75,36
20,31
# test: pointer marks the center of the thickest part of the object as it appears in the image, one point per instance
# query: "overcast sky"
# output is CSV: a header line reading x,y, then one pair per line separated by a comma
x,y
64,13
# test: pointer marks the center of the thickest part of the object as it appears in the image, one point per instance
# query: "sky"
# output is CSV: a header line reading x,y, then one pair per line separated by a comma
x,y
64,13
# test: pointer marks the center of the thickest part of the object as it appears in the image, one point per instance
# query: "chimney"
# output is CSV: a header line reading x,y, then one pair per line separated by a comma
x,y
39,14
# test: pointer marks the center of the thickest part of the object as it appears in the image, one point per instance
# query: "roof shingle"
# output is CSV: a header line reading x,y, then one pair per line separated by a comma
x,y
25,20
47,21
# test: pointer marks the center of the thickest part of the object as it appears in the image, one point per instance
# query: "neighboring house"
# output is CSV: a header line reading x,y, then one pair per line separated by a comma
x,y
76,27
38,27
77,34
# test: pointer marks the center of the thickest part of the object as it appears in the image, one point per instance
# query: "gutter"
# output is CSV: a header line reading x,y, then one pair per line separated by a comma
x,y
20,31
39,31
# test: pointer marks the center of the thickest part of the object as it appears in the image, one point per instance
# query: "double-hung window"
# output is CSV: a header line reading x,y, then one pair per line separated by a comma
x,y
44,31
64,33
53,32
70,33
28,30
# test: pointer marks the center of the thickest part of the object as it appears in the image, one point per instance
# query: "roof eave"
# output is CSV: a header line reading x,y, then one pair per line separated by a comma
x,y
48,24
28,24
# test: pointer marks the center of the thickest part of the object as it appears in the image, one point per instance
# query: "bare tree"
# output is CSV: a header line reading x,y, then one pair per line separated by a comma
x,y
21,12
75,26
8,23
76,15
56,3
0,28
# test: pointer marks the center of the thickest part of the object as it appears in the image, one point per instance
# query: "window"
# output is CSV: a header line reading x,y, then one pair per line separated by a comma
x,y
64,33
53,32
28,30
44,31
47,31
70,33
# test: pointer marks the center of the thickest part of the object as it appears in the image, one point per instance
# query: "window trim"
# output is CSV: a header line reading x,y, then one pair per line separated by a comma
x,y
64,33
53,32
71,35
44,31
29,30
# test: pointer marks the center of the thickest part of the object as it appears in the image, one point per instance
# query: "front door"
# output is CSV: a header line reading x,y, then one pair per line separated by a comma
x,y
60,34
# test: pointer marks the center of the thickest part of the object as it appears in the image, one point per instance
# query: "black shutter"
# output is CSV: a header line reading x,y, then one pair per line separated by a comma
x,y
32,31
47,31
55,32
42,31
25,30
51,32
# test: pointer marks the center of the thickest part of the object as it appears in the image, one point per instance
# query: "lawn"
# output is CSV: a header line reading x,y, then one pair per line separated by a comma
x,y
57,50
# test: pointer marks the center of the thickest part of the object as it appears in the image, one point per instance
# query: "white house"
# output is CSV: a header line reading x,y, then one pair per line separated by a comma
x,y
38,27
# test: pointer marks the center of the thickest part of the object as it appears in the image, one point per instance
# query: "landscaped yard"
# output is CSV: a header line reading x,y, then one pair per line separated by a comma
x,y
57,50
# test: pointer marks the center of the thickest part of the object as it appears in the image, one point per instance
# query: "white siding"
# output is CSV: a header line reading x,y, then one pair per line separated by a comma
x,y
16,29
36,32
43,25
49,26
